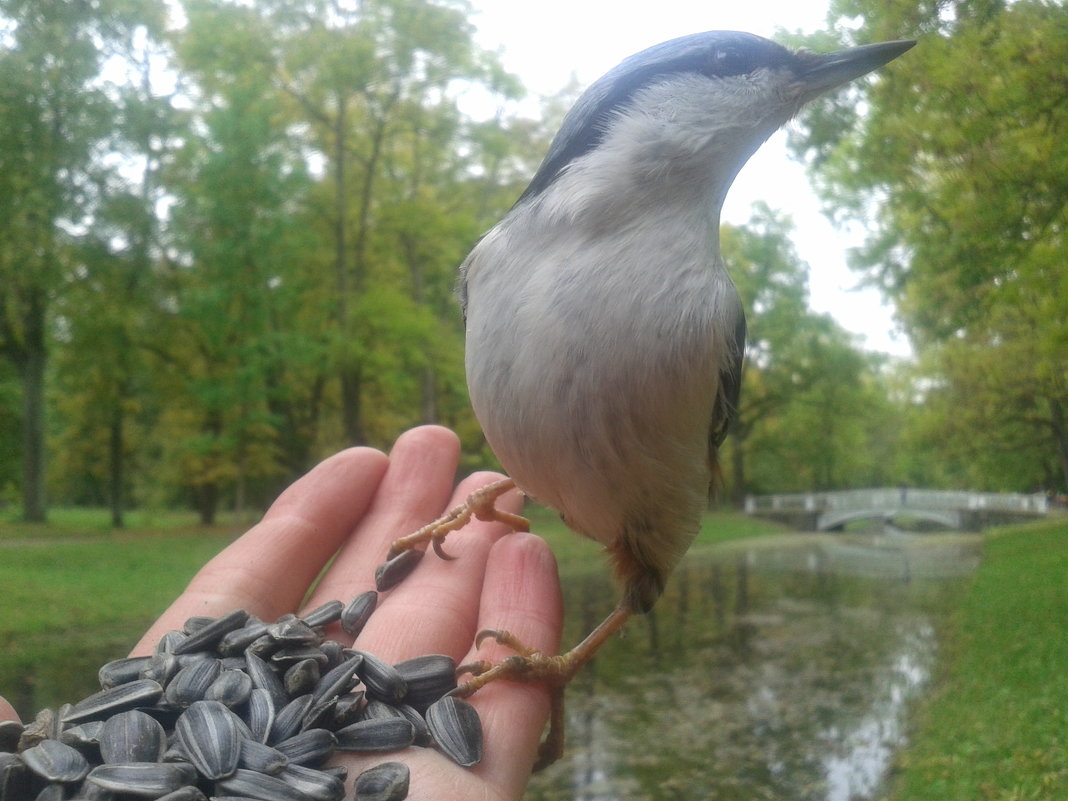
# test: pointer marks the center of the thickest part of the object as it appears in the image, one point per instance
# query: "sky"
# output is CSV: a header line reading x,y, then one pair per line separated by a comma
x,y
546,42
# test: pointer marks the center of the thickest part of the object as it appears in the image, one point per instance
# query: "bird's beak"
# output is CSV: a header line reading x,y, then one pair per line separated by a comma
x,y
821,72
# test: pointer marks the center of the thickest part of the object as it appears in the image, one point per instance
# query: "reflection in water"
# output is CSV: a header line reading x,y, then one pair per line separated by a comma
x,y
765,672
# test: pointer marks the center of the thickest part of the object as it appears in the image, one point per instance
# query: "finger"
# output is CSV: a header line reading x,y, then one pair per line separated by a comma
x,y
7,712
435,609
414,491
269,569
521,595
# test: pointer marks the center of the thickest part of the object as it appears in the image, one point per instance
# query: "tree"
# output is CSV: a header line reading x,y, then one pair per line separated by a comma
x,y
53,112
812,403
963,158
365,80
107,309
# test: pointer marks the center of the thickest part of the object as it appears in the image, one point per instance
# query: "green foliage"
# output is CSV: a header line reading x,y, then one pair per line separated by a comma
x,y
813,413
963,155
995,727
239,243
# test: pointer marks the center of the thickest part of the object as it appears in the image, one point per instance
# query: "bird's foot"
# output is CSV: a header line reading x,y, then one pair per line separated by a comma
x,y
530,665
480,504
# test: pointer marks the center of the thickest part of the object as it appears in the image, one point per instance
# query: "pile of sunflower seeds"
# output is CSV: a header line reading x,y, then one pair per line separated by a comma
x,y
234,708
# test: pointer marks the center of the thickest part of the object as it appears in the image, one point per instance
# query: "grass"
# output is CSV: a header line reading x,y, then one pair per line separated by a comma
x,y
574,552
68,605
997,726
64,523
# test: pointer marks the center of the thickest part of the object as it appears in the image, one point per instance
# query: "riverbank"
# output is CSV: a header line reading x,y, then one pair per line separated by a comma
x,y
996,725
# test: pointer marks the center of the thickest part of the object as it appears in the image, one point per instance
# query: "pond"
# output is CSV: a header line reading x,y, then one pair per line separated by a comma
x,y
780,668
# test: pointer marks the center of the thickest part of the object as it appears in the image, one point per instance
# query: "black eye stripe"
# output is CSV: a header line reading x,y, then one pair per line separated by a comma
x,y
718,54
728,61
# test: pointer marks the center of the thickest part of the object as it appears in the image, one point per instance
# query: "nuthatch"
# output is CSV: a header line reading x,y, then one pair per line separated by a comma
x,y
604,335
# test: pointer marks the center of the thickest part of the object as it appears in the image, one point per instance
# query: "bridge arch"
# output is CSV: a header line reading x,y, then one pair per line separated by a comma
x,y
837,518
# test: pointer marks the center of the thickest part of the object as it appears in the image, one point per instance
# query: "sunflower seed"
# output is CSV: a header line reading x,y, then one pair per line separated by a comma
x,y
390,574
89,791
51,792
261,758
375,736
56,762
143,692
169,641
187,793
132,737
380,709
14,778
422,730
144,779
427,678
287,720
264,678
324,615
338,771
288,656
355,616
381,679
231,687
85,736
290,630
339,680
313,784
209,733
311,748
348,709
259,715
249,784
333,651
385,782
456,729
263,646
160,667
120,671
236,641
191,683
210,634
321,715
10,733
301,677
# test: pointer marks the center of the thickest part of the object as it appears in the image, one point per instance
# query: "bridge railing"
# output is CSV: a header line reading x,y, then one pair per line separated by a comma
x,y
897,498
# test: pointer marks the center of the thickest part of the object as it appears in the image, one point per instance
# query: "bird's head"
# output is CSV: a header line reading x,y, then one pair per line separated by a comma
x,y
693,110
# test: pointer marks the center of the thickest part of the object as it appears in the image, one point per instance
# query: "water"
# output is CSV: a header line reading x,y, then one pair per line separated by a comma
x,y
776,669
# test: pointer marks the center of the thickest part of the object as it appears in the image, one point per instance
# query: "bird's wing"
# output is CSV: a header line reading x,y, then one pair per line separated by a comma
x,y
730,387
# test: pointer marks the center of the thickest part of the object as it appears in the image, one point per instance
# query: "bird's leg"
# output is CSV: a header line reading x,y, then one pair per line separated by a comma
x,y
530,665
479,504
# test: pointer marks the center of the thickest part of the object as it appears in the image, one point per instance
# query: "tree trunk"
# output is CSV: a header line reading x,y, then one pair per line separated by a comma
x,y
1060,437
429,405
351,411
31,358
207,496
116,467
738,435
33,427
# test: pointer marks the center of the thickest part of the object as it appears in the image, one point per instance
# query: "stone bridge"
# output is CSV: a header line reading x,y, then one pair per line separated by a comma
x,y
831,511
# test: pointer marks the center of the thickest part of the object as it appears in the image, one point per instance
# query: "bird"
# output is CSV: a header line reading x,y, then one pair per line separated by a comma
x,y
604,337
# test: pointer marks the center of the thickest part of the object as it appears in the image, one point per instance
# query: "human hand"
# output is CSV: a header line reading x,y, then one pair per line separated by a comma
x,y
354,504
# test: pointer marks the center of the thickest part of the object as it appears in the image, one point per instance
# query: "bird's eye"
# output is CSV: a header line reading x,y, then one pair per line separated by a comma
x,y
729,61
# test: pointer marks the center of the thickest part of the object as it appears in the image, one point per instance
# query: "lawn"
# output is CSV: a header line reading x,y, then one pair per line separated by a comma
x,y
997,726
